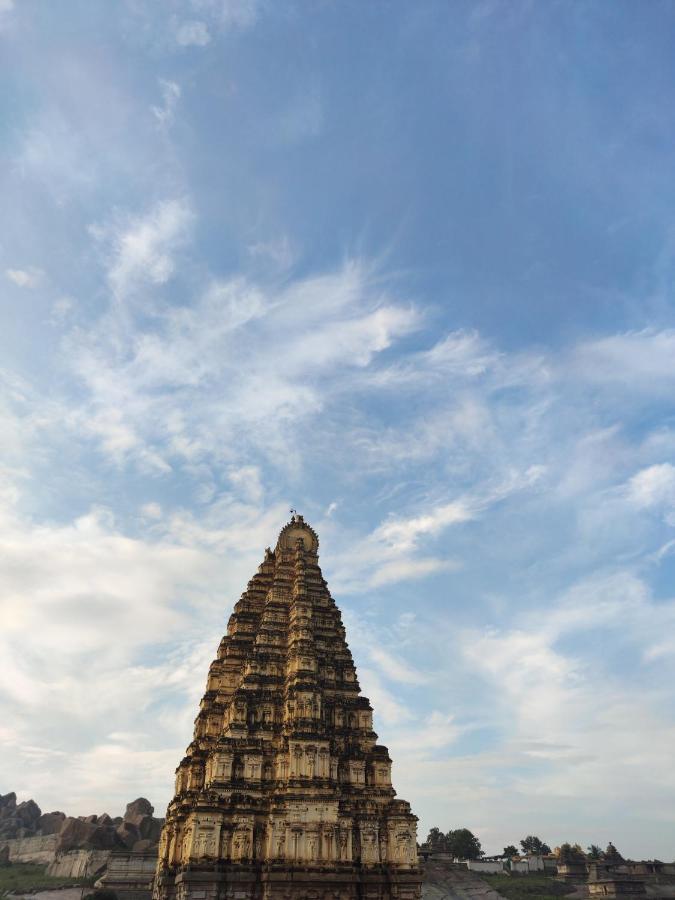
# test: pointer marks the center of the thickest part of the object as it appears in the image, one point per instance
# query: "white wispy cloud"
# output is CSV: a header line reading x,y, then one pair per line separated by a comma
x,y
6,9
278,251
396,668
653,486
171,92
28,278
192,33
403,534
233,13
142,249
201,375
552,709
639,360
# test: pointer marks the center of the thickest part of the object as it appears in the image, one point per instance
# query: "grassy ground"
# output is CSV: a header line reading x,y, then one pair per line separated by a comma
x,y
26,877
528,887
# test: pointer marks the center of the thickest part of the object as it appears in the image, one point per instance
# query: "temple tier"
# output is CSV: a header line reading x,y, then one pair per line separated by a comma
x,y
284,792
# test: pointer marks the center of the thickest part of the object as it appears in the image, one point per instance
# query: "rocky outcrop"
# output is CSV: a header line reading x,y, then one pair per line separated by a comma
x,y
79,834
28,813
79,864
139,816
38,849
8,821
138,810
128,834
18,821
23,826
50,823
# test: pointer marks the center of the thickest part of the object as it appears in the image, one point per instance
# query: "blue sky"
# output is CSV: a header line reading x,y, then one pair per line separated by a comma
x,y
405,267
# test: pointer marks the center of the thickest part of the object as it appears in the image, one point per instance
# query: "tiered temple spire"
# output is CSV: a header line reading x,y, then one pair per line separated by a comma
x,y
284,791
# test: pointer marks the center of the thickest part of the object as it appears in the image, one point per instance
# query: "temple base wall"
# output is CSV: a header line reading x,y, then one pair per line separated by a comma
x,y
288,884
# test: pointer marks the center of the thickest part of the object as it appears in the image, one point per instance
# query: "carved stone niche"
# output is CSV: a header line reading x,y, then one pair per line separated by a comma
x,y
252,766
357,771
195,777
370,847
403,844
380,773
219,767
181,779
206,837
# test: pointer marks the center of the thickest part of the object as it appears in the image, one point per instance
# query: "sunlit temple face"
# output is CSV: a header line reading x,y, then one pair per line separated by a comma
x,y
284,767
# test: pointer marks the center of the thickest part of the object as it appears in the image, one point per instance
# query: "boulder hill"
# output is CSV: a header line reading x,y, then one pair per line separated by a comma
x,y
137,829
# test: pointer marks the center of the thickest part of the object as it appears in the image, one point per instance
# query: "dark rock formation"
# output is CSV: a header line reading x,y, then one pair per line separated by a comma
x,y
139,823
28,814
91,832
128,834
18,821
50,823
137,810
78,835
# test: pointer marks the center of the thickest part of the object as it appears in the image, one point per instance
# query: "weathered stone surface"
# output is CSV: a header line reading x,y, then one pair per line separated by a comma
x,y
144,846
28,813
140,824
105,819
128,834
9,822
50,823
150,829
18,821
138,810
9,827
284,790
7,804
38,849
76,834
4,855
79,863
129,874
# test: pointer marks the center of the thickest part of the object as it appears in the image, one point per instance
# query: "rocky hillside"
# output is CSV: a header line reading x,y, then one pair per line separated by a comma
x,y
137,829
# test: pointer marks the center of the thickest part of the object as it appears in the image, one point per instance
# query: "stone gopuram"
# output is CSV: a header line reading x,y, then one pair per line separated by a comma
x,y
284,793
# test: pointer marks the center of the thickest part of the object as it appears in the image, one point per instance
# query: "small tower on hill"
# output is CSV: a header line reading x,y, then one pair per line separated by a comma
x,y
284,793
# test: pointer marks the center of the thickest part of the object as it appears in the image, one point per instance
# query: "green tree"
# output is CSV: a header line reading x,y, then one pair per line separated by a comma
x,y
594,852
510,851
534,845
570,853
463,844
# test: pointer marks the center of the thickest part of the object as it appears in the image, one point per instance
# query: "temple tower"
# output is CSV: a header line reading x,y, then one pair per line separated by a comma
x,y
284,792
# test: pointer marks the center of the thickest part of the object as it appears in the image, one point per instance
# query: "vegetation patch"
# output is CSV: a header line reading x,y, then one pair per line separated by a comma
x,y
20,878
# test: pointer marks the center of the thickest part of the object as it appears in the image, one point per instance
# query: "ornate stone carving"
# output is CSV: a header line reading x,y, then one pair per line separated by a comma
x,y
284,773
